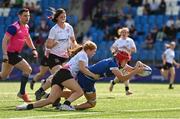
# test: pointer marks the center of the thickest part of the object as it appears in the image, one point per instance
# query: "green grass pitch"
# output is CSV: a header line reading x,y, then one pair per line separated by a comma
x,y
148,101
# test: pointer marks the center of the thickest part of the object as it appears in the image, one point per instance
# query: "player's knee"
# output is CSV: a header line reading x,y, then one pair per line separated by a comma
x,y
80,91
92,103
28,71
3,76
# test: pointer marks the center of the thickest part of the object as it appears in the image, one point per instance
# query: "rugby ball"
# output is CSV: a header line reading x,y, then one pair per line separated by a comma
x,y
147,71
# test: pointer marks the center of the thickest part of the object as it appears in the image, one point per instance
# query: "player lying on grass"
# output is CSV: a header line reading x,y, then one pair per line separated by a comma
x,y
105,68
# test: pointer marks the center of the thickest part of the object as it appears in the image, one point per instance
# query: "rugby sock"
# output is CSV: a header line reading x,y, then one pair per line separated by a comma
x,y
170,85
33,81
126,88
67,102
113,82
56,103
41,89
30,106
24,80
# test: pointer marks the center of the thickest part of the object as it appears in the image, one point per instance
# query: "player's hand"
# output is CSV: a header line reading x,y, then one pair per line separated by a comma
x,y
139,69
55,43
96,76
164,62
5,58
139,64
35,53
47,52
178,66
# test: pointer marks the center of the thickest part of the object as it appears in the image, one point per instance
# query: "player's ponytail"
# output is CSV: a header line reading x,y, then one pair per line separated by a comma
x,y
74,51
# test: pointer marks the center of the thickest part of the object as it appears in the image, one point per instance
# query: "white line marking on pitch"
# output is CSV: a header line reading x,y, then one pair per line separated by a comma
x,y
92,113
50,116
147,110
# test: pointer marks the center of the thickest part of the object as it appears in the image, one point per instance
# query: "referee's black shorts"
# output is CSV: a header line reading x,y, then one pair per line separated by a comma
x,y
14,58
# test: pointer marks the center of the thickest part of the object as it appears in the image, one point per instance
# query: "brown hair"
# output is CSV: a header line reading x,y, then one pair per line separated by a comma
x,y
20,12
55,13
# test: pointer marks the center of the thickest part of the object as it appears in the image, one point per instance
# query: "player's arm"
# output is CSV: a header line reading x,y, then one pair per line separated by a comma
x,y
126,77
114,48
4,46
86,71
11,31
30,44
163,58
133,50
128,68
177,64
4,43
74,43
50,43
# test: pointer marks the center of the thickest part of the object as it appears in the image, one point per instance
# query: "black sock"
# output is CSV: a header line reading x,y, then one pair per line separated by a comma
x,y
127,88
56,103
113,82
41,89
33,81
30,106
67,102
170,85
24,80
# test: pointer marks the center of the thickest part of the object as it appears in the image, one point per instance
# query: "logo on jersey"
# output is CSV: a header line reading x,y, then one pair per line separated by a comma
x,y
67,30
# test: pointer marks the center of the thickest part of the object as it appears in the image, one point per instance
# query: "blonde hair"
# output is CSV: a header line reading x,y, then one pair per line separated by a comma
x,y
123,29
88,45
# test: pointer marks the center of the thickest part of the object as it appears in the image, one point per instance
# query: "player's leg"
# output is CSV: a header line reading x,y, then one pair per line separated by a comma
x,y
172,77
55,93
91,101
164,73
6,70
112,83
128,92
41,91
77,92
26,69
40,74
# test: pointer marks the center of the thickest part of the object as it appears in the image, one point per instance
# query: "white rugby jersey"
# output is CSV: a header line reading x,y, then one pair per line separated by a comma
x,y
169,55
63,38
121,43
73,63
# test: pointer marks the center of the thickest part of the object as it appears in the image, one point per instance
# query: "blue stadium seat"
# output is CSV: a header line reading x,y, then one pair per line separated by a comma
x,y
178,35
125,10
134,11
151,20
159,21
1,20
177,55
